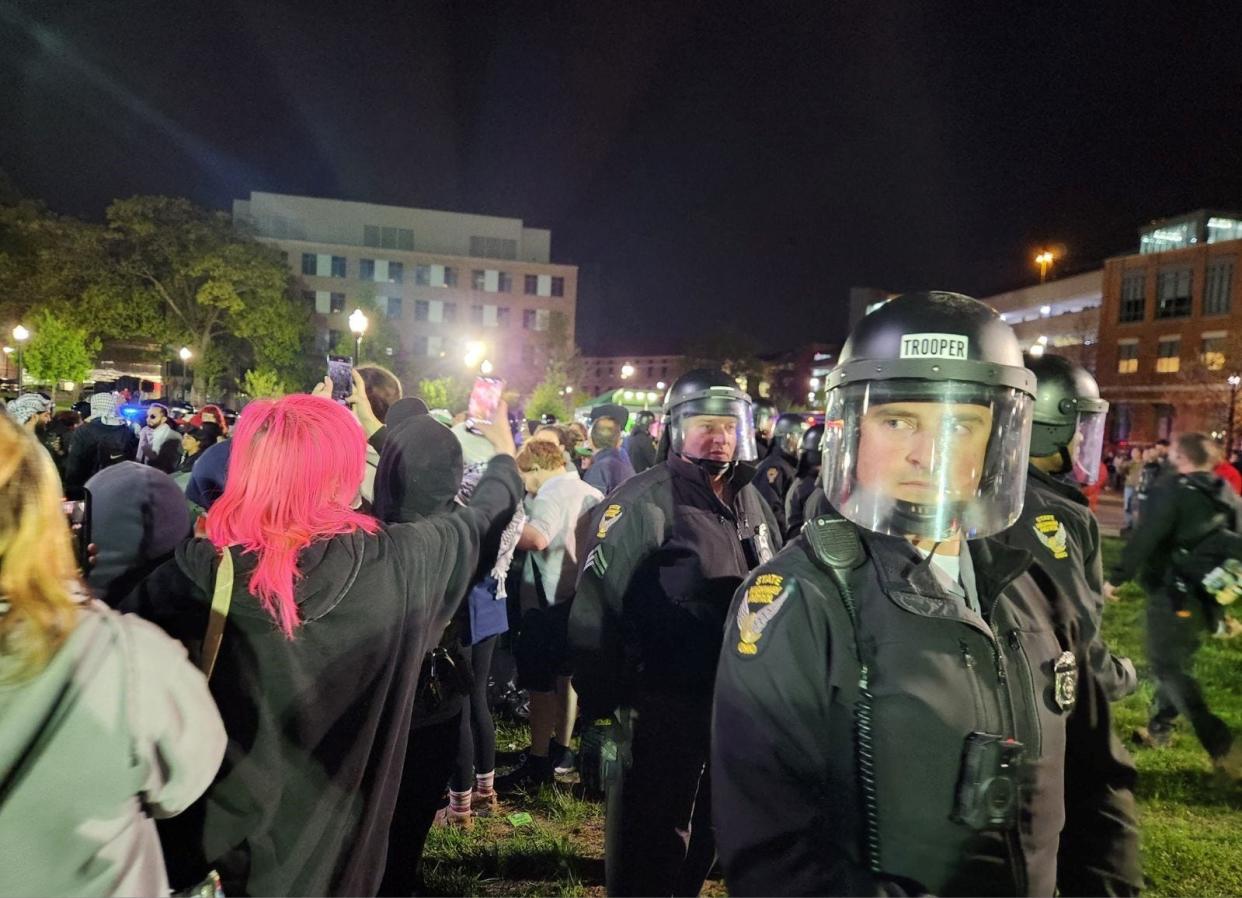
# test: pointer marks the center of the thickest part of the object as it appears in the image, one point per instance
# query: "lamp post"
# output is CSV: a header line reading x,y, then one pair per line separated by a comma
x,y
8,352
1234,380
358,325
185,355
1044,260
21,335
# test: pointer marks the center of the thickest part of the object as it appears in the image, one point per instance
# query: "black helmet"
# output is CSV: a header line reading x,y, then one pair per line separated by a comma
x,y
765,415
811,439
1067,403
787,433
643,419
934,383
701,393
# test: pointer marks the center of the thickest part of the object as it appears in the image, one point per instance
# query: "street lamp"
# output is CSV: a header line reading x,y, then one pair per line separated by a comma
x,y
660,385
486,368
474,353
358,325
184,354
8,351
21,335
627,371
1234,380
1044,260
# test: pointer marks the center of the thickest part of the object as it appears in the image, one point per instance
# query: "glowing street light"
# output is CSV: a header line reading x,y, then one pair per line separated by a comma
x,y
1044,260
1037,350
358,325
661,385
486,367
627,371
184,354
568,390
21,335
814,383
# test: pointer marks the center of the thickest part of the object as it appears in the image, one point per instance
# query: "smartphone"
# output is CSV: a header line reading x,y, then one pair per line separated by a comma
x,y
484,399
77,508
341,370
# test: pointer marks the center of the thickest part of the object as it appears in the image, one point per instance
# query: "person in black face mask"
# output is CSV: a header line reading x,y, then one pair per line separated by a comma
x,y
665,552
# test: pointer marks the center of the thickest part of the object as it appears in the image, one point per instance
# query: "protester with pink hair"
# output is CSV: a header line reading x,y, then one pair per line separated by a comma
x,y
332,613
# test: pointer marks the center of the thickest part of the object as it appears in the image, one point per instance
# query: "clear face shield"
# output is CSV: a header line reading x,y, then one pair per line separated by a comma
x,y
713,429
1087,447
928,459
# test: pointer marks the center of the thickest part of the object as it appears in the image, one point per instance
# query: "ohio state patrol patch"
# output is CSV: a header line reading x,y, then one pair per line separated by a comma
x,y
762,601
612,514
1065,681
1051,533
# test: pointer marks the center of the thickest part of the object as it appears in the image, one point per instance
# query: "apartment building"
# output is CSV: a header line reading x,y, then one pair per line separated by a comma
x,y
1059,316
447,281
646,372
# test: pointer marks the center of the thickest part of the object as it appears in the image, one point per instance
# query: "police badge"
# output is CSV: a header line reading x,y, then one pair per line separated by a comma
x,y
1065,681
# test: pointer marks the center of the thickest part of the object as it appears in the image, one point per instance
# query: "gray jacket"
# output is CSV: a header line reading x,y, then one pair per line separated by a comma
x,y
118,728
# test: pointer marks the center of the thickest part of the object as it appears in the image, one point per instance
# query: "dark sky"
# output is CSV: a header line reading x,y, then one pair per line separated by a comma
x,y
704,163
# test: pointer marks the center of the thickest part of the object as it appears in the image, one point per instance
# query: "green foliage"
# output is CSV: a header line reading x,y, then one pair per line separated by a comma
x,y
380,337
546,399
446,392
58,351
264,383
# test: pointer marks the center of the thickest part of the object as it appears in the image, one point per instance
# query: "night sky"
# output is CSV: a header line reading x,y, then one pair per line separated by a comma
x,y
705,164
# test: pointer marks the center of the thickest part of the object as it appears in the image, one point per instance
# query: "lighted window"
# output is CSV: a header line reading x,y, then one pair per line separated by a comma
x,y
1219,229
1212,351
1127,358
1168,358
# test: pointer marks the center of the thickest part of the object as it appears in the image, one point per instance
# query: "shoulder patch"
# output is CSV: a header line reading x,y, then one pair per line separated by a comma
x,y
612,514
596,561
762,601
1052,534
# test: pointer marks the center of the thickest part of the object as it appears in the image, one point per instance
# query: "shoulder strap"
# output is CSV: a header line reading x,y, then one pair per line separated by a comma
x,y
221,598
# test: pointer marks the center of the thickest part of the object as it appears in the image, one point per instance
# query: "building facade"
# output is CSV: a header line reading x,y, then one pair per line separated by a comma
x,y
1170,331
1060,316
601,373
450,284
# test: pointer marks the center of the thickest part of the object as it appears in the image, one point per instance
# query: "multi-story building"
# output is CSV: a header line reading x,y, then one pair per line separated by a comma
x,y
447,281
1061,316
1170,334
645,372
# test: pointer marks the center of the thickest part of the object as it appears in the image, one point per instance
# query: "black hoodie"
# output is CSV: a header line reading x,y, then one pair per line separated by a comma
x,y
318,724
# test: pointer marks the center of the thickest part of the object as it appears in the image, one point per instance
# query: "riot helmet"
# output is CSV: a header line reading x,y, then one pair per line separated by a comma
x,y
643,421
787,434
709,421
928,420
1068,416
765,417
809,449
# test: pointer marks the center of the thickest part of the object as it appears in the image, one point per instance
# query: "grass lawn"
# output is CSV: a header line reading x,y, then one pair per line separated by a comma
x,y
1191,822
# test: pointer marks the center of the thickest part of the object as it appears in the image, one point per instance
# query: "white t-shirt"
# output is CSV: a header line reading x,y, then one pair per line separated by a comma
x,y
555,511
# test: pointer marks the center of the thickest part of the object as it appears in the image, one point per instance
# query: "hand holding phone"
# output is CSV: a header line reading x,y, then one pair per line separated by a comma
x,y
341,371
484,399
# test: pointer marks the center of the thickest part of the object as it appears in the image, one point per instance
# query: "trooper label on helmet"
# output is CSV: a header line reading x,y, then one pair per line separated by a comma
x,y
934,346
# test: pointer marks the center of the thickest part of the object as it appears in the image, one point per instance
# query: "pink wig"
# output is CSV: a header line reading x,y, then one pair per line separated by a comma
x,y
296,467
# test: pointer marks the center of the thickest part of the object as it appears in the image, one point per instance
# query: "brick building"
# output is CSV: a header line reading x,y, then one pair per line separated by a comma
x,y
1170,331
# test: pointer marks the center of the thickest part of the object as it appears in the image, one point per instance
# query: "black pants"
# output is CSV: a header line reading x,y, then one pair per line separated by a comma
x,y
1171,645
476,741
429,762
658,838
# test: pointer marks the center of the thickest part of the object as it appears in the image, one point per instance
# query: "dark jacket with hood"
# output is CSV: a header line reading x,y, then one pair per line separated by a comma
x,y
318,724
96,445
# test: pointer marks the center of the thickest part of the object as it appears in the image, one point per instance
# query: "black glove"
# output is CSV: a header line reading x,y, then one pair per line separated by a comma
x,y
603,750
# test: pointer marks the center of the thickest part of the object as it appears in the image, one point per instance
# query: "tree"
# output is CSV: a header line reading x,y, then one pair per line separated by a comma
x,y
732,351
381,344
58,351
548,398
444,392
182,275
562,359
264,383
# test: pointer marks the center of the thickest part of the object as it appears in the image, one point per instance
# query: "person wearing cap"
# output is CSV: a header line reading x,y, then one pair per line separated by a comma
x,y
105,439
1099,844
893,693
664,553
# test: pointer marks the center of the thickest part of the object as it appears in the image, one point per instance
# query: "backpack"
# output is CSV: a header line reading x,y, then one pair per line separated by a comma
x,y
1208,563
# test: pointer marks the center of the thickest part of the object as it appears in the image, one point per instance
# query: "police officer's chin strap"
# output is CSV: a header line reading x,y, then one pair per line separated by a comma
x,y
711,467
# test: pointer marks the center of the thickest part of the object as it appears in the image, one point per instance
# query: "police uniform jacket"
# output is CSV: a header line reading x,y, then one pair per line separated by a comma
x,y
787,800
1059,530
795,503
773,478
659,573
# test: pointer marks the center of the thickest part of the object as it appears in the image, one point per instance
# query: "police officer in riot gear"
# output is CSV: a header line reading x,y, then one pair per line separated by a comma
x,y
639,445
805,480
775,474
666,553
893,691
1100,839
765,421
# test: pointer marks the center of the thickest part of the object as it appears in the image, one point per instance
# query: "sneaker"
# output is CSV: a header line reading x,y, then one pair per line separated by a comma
x,y
1229,764
531,774
446,816
485,805
564,759
1148,738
